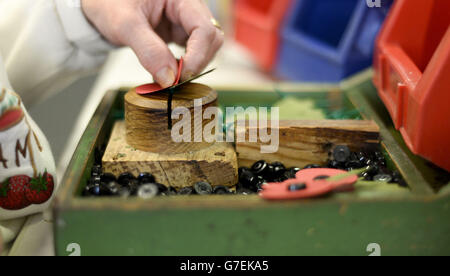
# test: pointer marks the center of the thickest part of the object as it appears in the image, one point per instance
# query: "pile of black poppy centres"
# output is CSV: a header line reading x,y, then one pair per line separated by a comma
x,y
251,180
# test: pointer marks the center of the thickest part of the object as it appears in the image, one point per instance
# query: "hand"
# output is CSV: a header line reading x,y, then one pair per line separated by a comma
x,y
148,25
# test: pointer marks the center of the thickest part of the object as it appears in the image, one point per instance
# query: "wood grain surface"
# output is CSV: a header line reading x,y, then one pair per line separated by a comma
x,y
309,142
216,164
147,120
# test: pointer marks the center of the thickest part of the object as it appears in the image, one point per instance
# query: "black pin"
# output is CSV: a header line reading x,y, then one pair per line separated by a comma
x,y
169,109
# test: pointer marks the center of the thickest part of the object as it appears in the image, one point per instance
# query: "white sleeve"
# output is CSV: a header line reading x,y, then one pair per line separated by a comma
x,y
47,44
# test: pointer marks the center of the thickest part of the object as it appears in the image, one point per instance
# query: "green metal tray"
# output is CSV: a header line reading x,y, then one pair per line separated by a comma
x,y
415,223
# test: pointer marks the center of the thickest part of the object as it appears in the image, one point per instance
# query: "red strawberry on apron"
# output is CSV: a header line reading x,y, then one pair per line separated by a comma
x,y
10,118
40,189
12,193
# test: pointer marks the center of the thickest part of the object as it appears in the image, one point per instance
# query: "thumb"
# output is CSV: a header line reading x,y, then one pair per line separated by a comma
x,y
154,55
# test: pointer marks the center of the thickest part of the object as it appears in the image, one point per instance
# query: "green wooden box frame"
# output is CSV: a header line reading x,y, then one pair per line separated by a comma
x,y
417,224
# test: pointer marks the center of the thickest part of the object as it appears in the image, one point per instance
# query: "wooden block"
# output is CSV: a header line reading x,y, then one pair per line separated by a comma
x,y
309,142
216,164
147,119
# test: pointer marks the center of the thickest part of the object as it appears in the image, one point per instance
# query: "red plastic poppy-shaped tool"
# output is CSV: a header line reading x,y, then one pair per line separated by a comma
x,y
295,189
154,87
309,183
316,175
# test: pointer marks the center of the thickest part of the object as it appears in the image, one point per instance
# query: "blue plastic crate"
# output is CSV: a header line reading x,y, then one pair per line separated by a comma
x,y
329,40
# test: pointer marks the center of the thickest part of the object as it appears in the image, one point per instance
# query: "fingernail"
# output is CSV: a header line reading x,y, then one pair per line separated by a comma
x,y
188,75
165,77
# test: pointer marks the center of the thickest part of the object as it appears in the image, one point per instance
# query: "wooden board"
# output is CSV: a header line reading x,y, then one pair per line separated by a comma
x,y
309,142
216,164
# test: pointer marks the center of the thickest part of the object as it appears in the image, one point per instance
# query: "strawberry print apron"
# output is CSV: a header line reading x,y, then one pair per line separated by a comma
x,y
26,164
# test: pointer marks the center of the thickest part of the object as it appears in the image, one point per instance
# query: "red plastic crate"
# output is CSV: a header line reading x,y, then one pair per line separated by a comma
x,y
412,74
257,27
